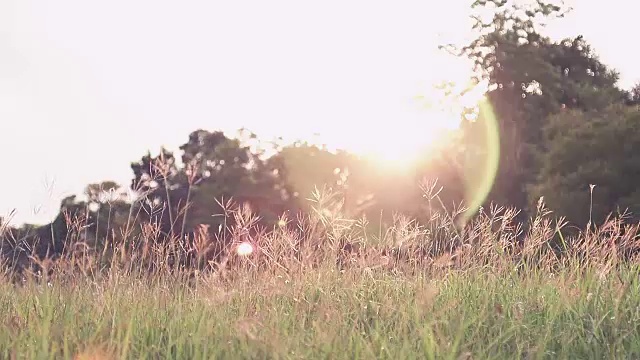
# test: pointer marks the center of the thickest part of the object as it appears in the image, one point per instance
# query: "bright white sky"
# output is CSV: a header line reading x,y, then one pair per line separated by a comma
x,y
86,87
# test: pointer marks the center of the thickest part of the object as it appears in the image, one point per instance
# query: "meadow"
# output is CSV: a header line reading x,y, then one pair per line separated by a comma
x,y
328,289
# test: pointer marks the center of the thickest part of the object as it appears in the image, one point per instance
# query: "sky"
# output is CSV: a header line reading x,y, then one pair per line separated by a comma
x,y
87,87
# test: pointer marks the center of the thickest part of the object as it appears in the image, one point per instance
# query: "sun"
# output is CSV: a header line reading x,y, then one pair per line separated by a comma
x,y
408,139
407,131
419,128
422,128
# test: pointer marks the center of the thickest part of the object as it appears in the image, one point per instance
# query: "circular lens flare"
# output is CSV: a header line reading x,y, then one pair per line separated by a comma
x,y
244,249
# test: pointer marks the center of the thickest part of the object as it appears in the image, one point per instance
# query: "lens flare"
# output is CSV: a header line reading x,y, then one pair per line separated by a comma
x,y
481,170
244,249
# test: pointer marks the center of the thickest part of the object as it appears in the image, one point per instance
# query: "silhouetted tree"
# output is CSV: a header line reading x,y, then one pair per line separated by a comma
x,y
530,78
591,148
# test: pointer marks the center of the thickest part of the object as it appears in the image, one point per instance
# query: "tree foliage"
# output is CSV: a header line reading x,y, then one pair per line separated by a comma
x,y
530,77
591,149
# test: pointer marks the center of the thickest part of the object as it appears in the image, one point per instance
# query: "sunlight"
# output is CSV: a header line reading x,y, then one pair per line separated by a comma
x,y
408,139
425,126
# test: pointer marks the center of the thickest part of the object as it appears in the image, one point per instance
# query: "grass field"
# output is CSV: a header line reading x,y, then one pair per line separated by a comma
x,y
427,292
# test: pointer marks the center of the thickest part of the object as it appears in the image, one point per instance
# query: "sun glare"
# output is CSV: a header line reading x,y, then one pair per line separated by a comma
x,y
421,129
408,139
410,127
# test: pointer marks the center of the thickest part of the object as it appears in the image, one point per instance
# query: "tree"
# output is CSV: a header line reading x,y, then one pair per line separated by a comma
x,y
214,170
223,168
530,78
309,167
591,148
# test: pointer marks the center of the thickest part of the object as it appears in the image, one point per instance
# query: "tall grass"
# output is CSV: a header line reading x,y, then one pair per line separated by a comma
x,y
328,288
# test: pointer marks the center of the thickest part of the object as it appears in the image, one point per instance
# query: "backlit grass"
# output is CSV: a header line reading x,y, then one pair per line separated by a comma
x,y
434,292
